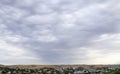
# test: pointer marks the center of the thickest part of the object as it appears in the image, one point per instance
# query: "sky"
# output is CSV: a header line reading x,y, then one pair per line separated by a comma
x,y
59,31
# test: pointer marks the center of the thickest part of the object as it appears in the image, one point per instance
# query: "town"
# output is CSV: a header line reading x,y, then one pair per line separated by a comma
x,y
56,69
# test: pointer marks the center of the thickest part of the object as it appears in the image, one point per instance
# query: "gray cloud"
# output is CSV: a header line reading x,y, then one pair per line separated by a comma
x,y
52,29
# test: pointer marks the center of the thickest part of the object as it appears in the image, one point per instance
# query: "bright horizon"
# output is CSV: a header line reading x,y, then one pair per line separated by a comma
x,y
59,32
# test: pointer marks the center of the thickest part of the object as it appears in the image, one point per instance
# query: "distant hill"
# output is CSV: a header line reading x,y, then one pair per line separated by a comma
x,y
1,65
56,66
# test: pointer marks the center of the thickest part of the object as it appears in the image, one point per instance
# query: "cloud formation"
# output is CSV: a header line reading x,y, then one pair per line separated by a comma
x,y
59,31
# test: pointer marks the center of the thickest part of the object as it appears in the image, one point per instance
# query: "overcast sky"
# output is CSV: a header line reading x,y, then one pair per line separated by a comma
x,y
59,31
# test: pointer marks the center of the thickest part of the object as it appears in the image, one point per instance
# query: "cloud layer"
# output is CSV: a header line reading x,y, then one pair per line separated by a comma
x,y
59,31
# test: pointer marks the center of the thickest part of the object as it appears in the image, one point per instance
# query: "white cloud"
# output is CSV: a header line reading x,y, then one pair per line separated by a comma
x,y
65,26
41,19
101,56
11,54
47,38
104,49
108,40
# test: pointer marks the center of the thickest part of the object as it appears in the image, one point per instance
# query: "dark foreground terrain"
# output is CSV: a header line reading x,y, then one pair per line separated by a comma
x,y
59,69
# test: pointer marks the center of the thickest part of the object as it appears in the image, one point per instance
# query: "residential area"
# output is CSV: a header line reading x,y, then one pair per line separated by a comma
x,y
62,70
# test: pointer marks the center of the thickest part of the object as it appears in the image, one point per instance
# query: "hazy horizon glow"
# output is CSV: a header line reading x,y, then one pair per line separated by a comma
x,y
59,32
